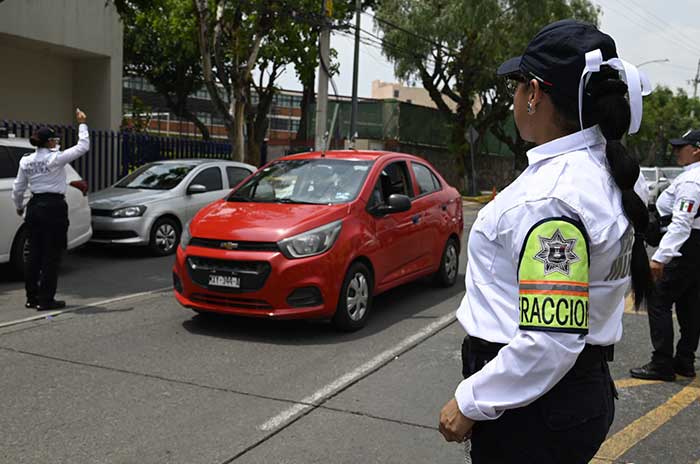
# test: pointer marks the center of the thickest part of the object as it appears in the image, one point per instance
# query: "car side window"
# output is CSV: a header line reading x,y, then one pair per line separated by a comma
x,y
393,179
9,160
427,181
210,178
236,175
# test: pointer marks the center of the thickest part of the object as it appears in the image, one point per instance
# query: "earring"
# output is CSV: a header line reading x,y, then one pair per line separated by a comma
x,y
529,108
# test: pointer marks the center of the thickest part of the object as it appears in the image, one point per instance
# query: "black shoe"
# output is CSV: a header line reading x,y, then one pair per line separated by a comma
x,y
30,304
653,371
683,368
55,304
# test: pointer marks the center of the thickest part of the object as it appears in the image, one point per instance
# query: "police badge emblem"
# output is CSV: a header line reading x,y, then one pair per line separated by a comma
x,y
557,253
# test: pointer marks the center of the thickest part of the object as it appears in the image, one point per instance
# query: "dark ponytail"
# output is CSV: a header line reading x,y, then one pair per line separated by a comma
x,y
605,104
36,141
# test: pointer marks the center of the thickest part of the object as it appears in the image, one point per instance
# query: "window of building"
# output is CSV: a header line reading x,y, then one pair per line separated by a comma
x,y
295,125
279,124
396,93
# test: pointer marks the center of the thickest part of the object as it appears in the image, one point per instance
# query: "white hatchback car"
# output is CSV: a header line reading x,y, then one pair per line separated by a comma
x,y
13,236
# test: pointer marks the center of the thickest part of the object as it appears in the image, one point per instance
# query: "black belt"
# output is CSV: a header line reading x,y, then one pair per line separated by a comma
x,y
591,354
58,196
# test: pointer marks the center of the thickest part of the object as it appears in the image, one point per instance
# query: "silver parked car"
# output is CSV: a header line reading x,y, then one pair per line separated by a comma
x,y
658,179
151,205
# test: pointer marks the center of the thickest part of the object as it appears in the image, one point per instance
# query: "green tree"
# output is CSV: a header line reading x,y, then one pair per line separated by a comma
x,y
666,115
160,45
454,48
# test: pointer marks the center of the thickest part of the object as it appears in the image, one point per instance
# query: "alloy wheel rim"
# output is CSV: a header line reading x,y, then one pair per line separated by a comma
x,y
451,262
165,237
357,296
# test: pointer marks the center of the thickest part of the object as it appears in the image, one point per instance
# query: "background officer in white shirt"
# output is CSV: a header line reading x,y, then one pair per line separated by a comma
x,y
676,269
44,173
551,258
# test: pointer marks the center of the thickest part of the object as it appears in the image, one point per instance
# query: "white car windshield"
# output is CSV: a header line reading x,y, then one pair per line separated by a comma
x,y
310,181
156,176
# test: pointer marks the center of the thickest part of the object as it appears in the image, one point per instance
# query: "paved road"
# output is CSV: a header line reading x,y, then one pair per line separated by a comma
x,y
142,380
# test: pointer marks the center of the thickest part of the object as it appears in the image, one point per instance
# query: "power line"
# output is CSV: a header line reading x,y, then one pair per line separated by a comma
x,y
414,34
665,24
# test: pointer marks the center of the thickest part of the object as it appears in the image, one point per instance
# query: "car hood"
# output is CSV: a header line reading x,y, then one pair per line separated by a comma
x,y
112,198
262,222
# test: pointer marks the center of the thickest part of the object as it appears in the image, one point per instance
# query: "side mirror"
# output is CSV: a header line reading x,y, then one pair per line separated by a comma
x,y
195,189
663,179
397,204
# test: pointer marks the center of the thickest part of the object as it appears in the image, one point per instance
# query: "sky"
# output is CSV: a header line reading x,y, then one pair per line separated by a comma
x,y
644,30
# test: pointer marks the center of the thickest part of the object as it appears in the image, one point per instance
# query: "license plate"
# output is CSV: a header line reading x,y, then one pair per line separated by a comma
x,y
224,281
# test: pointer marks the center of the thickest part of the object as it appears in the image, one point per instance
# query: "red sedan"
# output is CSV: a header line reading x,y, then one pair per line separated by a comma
x,y
318,235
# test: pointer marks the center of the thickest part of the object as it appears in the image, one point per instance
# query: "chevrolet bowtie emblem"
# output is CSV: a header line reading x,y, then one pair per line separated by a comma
x,y
229,245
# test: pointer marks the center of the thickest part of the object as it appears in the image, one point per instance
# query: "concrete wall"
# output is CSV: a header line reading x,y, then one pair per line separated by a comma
x,y
59,54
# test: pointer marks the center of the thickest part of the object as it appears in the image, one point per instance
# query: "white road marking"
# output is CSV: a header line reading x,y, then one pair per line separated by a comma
x,y
44,315
340,383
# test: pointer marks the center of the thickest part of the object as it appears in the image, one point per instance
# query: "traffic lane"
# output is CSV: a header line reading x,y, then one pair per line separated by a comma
x,y
90,274
282,359
63,411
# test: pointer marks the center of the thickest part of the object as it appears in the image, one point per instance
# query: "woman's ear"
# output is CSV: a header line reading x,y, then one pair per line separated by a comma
x,y
534,93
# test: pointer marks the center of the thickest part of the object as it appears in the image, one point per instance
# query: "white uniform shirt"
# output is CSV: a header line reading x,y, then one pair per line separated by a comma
x,y
589,264
681,199
44,170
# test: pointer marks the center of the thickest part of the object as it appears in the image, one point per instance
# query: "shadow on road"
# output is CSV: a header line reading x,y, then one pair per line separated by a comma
x,y
404,302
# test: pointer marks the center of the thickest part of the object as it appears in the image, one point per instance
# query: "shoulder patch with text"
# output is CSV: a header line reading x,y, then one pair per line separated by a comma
x,y
553,276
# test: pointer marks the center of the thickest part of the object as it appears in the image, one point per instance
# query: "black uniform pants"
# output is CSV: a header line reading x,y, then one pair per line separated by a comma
x,y
565,425
47,227
680,284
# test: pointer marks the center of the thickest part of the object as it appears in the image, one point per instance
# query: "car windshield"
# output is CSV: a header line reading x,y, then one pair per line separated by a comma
x,y
649,175
156,176
310,181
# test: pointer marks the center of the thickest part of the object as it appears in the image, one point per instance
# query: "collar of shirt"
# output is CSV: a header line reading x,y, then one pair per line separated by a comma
x,y
578,140
690,166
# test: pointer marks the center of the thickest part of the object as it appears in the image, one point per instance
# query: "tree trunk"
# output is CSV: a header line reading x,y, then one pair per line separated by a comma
x,y
308,98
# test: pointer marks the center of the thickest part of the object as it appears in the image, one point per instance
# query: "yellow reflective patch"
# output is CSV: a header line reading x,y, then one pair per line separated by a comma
x,y
553,278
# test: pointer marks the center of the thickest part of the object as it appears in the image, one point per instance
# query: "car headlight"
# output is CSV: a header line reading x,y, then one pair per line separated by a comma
x,y
129,211
313,242
185,237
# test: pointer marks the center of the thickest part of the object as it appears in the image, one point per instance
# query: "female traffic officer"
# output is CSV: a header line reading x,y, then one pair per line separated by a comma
x,y
676,269
47,212
551,258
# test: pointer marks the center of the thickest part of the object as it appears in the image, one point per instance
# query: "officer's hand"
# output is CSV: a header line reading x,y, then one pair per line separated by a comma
x,y
657,270
80,116
20,212
454,426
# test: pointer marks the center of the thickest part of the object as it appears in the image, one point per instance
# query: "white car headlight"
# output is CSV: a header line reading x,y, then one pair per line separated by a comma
x,y
313,242
129,211
185,237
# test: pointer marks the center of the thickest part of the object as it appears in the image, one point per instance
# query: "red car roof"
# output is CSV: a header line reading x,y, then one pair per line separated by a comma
x,y
367,155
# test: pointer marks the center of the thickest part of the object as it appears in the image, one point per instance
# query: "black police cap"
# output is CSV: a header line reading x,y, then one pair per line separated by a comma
x,y
44,134
556,56
692,137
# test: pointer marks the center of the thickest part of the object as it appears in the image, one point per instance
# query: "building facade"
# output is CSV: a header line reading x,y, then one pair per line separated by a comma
x,y
57,55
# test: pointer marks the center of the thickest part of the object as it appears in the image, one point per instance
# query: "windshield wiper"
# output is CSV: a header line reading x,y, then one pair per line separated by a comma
x,y
298,202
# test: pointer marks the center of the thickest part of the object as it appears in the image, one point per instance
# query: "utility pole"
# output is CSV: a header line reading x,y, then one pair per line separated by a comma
x,y
355,69
322,97
695,88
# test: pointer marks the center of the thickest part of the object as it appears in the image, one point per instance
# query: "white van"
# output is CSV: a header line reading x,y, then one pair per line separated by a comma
x,y
13,236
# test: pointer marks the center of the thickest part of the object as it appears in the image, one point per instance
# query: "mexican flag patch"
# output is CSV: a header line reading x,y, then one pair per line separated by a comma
x,y
687,206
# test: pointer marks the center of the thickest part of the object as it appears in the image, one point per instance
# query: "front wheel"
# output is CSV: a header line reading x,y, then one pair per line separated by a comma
x,y
355,300
165,237
446,276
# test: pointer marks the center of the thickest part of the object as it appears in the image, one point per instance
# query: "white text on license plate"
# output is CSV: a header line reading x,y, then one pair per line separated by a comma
x,y
224,281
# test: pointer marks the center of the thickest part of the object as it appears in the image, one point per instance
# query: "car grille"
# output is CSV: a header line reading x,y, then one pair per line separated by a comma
x,y
243,303
253,274
113,234
239,246
101,212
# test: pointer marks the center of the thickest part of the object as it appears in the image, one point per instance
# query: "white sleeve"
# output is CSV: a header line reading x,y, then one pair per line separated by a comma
x,y
545,347
19,186
74,152
685,207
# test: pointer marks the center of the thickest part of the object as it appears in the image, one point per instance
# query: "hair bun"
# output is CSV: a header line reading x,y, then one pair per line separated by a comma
x,y
608,87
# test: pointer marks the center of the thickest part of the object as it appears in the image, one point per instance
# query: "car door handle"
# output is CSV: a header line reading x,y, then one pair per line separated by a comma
x,y
416,219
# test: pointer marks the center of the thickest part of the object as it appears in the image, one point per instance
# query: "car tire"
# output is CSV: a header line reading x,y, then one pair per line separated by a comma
x,y
165,237
18,253
446,275
355,300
